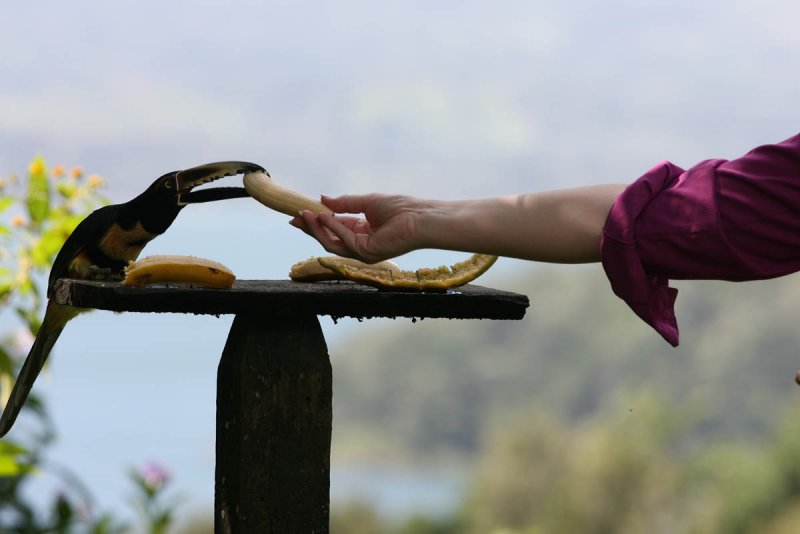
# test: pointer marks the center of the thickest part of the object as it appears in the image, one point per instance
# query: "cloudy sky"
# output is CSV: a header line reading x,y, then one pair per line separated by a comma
x,y
474,98
446,99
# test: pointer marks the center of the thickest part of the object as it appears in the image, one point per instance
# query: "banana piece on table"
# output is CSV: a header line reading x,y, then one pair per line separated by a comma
x,y
440,279
167,269
311,270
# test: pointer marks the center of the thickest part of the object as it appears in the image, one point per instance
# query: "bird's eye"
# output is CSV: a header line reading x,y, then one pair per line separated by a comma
x,y
168,185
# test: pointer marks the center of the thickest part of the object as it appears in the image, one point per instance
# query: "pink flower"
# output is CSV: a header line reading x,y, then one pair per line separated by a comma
x,y
154,475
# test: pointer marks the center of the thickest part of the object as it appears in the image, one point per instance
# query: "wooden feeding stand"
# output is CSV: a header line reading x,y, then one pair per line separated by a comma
x,y
274,389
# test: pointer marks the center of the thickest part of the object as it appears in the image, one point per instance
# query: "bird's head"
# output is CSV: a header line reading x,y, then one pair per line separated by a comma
x,y
160,203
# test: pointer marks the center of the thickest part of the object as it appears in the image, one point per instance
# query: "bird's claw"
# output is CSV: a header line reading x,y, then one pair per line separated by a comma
x,y
100,273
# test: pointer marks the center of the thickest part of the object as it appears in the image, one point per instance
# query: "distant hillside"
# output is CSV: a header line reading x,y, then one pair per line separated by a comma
x,y
434,389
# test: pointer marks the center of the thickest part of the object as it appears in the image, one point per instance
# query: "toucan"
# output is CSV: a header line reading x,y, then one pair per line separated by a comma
x,y
103,244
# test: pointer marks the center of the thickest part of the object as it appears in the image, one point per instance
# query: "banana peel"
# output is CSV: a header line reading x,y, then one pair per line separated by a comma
x,y
311,270
434,280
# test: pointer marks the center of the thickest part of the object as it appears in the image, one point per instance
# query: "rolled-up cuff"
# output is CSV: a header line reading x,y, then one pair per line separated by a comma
x,y
649,296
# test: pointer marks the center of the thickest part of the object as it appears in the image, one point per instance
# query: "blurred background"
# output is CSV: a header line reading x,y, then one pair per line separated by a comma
x,y
576,419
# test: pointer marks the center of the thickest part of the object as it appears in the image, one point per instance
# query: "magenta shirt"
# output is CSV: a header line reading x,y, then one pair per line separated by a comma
x,y
727,220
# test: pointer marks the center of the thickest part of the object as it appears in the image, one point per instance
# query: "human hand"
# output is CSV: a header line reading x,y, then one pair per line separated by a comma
x,y
388,228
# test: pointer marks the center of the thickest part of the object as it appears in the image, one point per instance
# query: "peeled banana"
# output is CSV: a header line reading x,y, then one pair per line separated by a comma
x,y
178,270
261,187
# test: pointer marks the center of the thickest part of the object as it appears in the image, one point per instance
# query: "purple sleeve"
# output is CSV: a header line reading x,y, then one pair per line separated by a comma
x,y
728,220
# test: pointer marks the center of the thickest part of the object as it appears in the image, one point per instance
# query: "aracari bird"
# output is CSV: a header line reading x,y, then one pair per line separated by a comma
x,y
103,244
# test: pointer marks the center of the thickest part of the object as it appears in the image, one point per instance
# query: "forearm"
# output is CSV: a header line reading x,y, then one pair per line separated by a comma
x,y
562,226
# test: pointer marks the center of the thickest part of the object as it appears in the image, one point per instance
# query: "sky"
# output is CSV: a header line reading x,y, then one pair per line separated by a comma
x,y
440,99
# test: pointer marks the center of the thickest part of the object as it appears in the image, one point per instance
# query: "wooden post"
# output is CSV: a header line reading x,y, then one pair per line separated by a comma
x,y
274,414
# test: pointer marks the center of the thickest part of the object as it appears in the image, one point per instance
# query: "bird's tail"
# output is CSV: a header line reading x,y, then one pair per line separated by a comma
x,y
55,318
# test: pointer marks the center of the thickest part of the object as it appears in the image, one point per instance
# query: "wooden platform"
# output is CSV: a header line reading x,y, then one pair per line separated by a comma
x,y
284,297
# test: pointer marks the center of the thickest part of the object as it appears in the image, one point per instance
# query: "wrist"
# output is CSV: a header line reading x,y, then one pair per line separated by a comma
x,y
468,225
436,224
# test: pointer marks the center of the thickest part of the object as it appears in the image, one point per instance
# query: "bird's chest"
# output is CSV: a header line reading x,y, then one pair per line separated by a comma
x,y
124,244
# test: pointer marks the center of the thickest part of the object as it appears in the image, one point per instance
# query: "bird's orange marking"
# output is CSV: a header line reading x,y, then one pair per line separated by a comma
x,y
125,245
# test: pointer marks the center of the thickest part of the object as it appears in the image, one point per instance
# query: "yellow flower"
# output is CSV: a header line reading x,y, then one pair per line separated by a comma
x,y
58,171
76,173
95,180
18,220
36,167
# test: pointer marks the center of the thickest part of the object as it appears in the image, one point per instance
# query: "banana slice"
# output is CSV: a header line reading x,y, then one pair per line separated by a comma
x,y
167,269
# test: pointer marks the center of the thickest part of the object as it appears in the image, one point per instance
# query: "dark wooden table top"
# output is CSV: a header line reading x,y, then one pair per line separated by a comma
x,y
284,297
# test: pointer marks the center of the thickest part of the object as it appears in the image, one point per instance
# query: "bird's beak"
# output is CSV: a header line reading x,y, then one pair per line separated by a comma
x,y
188,179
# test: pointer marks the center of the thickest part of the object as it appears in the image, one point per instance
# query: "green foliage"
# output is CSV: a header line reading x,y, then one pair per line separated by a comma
x,y
633,475
38,197
621,476
151,481
34,226
434,390
356,518
34,222
362,518
12,460
581,419
638,472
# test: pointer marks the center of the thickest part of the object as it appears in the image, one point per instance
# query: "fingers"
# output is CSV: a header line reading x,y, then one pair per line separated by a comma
x,y
342,231
299,223
342,235
318,232
347,203
328,238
